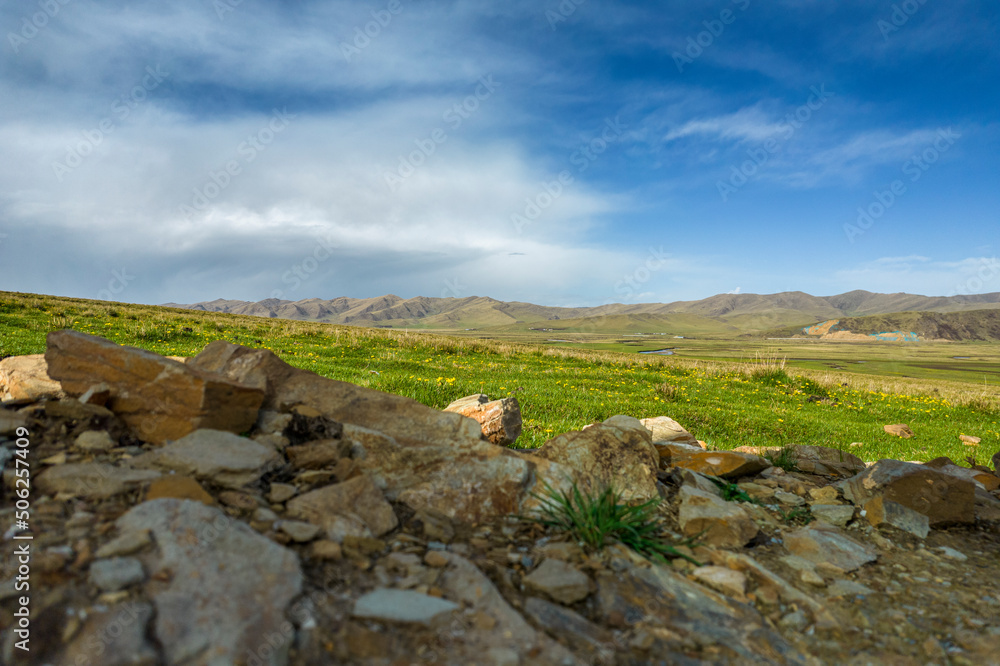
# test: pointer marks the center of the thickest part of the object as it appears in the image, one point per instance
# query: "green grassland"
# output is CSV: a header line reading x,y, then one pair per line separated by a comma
x,y
729,393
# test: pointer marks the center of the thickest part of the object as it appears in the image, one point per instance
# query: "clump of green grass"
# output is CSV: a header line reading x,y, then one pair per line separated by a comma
x,y
783,458
595,520
799,515
732,492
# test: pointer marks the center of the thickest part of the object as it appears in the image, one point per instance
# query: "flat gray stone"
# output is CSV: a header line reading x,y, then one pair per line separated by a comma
x,y
92,480
847,588
824,543
404,606
116,573
222,457
594,642
126,544
833,514
225,587
559,580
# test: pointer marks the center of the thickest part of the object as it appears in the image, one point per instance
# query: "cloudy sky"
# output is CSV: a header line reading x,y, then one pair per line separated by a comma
x,y
564,153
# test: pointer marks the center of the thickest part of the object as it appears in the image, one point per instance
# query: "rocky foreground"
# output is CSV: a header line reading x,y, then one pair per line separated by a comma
x,y
232,509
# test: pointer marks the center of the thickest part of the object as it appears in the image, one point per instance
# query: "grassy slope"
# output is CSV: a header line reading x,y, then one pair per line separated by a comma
x,y
725,404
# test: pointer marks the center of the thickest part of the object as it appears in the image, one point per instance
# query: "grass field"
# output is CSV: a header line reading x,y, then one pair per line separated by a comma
x,y
748,399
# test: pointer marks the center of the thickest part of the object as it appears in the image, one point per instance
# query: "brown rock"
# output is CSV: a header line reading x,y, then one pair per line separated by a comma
x,y
500,419
970,440
159,399
723,579
996,462
899,429
825,461
719,522
358,499
727,464
941,497
26,378
11,421
178,487
286,387
618,453
670,450
318,454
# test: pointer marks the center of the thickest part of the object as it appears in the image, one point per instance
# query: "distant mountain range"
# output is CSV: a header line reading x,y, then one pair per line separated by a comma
x,y
723,314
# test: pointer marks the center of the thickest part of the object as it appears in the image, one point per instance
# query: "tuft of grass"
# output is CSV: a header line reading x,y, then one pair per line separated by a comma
x,y
799,515
783,459
732,492
596,520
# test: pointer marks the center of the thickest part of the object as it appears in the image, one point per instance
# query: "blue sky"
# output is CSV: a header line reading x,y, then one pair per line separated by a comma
x,y
572,153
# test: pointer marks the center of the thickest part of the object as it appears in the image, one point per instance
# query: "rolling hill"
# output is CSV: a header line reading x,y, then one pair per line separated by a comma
x,y
722,314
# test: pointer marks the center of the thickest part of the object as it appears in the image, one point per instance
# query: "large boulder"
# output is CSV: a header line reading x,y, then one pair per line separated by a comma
x,y
27,378
618,452
500,419
825,543
159,399
943,498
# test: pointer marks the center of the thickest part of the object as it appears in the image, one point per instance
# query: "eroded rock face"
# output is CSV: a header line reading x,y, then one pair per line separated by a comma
x,y
618,452
943,498
215,603
358,499
158,399
500,419
27,378
690,613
